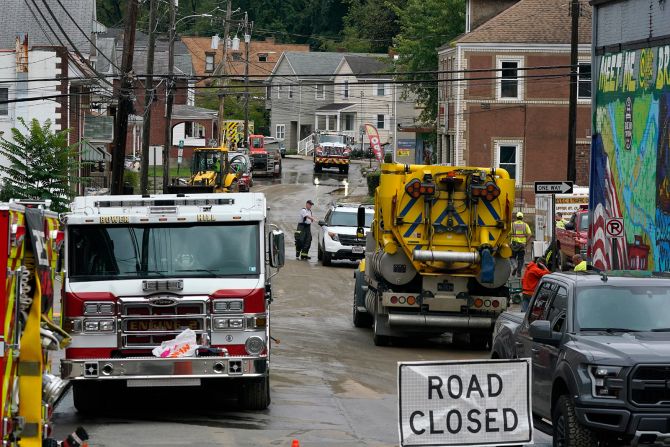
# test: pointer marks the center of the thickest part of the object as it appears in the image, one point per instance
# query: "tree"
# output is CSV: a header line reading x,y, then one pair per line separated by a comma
x,y
371,25
426,25
40,164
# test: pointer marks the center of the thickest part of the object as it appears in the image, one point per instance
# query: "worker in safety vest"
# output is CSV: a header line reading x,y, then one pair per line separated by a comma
x,y
519,238
560,222
580,263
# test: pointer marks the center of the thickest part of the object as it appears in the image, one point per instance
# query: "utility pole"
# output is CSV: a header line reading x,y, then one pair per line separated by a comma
x,y
226,31
149,95
170,99
125,101
247,43
572,112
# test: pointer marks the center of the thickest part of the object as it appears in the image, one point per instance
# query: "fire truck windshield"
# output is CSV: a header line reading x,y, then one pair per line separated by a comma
x,y
99,252
339,139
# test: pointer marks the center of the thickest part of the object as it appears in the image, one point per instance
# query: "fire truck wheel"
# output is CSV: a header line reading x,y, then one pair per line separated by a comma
x,y
84,395
255,394
317,168
345,169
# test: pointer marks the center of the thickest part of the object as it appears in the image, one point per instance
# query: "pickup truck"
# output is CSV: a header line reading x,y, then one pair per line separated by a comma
x,y
600,352
572,240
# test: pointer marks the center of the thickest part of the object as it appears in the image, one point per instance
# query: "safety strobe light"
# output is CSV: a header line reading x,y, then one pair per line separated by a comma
x,y
416,188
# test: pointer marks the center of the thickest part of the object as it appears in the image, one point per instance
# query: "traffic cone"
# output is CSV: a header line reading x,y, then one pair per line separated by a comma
x,y
295,443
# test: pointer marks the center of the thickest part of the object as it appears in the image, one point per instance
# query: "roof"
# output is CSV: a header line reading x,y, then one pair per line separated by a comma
x,y
184,111
20,16
305,65
532,22
199,47
366,66
334,107
182,58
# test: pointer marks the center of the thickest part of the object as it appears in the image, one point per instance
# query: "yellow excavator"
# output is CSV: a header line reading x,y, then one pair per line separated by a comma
x,y
211,171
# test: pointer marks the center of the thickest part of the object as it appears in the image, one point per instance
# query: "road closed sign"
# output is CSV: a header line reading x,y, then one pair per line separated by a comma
x,y
465,403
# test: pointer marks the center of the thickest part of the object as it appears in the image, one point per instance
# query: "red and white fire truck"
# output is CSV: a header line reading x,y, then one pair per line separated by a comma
x,y
142,269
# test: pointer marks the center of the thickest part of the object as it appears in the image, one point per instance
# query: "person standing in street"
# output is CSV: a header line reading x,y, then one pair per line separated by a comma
x,y
579,262
519,237
303,238
531,277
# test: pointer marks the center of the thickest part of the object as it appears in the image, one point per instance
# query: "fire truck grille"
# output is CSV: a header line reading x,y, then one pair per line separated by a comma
x,y
148,323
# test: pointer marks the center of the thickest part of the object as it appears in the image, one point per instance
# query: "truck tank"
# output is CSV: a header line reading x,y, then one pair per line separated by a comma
x,y
437,258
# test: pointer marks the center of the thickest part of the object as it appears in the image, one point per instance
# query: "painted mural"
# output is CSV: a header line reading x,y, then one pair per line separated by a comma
x,y
630,160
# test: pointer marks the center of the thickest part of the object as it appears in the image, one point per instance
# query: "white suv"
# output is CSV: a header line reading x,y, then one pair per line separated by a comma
x,y
337,235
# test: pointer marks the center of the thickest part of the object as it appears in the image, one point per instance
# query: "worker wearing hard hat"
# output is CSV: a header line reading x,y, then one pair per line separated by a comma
x,y
519,238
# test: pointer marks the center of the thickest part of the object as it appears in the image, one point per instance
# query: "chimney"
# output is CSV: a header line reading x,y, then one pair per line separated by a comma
x,y
480,11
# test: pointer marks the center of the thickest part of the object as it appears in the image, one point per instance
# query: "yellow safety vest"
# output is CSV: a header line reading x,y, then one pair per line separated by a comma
x,y
520,231
581,267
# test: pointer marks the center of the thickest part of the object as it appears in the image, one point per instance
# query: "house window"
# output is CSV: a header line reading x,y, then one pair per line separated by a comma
x,y
209,62
345,89
380,121
380,90
584,81
237,56
194,130
509,85
4,96
262,57
508,157
320,91
348,122
268,92
279,91
290,92
332,122
280,131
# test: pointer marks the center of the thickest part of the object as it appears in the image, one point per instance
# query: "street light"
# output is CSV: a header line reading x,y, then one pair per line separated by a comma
x,y
170,99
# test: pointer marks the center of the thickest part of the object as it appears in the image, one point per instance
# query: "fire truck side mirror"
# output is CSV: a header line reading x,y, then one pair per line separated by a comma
x,y
276,247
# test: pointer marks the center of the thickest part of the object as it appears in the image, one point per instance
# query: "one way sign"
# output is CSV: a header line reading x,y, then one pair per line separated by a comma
x,y
553,187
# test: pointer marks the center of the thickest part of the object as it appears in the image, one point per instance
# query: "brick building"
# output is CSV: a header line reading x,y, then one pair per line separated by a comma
x,y
515,117
263,55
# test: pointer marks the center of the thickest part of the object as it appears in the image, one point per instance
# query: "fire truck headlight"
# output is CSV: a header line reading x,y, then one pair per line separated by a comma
x,y
220,323
106,325
91,325
90,308
254,345
236,323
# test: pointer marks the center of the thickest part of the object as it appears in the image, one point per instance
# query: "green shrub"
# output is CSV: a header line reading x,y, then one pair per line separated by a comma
x,y
373,182
131,178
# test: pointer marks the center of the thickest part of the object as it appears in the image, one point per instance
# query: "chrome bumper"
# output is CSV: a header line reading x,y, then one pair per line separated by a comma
x,y
156,368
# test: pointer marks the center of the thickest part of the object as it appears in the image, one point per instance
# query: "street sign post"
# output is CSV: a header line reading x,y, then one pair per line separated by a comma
x,y
468,402
553,187
614,227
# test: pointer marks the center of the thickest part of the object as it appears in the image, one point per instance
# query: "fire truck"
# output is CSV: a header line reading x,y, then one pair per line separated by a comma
x,y
265,161
143,269
331,150
29,248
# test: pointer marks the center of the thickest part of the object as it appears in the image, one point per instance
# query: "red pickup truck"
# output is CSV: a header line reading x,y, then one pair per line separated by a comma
x,y
572,239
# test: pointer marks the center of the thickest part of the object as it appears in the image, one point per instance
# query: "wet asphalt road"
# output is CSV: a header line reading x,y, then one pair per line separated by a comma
x,y
330,385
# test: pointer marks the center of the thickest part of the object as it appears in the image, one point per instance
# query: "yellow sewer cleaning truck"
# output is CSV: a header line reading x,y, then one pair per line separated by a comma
x,y
437,256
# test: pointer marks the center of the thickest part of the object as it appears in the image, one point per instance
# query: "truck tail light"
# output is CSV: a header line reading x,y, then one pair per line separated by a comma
x,y
478,303
416,188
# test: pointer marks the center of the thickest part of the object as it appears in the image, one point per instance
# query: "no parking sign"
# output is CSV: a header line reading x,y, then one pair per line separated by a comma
x,y
614,227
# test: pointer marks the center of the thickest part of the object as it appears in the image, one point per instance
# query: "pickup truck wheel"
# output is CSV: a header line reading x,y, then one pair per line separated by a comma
x,y
568,432
255,394
327,257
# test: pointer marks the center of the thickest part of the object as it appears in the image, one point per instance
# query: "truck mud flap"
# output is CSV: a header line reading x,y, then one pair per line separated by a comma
x,y
440,321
